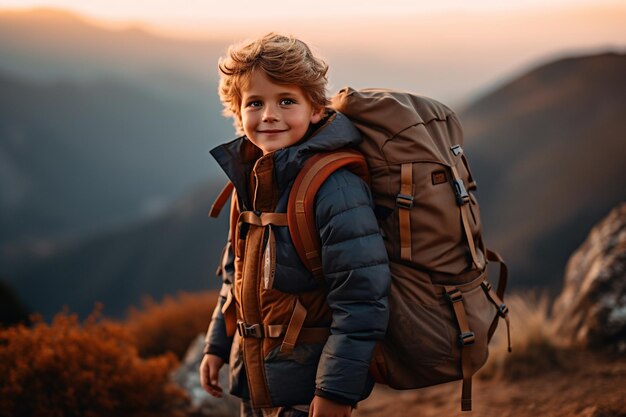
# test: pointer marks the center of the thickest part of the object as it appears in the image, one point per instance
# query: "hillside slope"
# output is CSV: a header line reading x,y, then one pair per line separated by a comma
x,y
588,388
77,157
548,151
177,251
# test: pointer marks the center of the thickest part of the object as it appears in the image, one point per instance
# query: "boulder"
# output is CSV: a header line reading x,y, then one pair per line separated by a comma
x,y
187,376
591,310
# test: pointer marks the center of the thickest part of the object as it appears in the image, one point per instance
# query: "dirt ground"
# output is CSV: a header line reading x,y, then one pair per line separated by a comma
x,y
593,386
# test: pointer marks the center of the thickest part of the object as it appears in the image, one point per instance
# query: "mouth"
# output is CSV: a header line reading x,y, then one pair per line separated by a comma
x,y
272,131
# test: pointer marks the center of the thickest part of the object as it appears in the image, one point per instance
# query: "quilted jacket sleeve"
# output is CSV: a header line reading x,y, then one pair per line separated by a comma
x,y
356,271
216,341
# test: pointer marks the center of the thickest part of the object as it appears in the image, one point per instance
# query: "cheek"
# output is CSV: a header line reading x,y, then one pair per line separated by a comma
x,y
301,120
247,122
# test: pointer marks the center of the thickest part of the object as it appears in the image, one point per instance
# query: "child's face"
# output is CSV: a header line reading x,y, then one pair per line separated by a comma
x,y
275,116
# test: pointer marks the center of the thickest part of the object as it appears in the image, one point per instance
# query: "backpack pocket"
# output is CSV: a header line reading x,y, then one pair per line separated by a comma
x,y
479,314
418,336
423,344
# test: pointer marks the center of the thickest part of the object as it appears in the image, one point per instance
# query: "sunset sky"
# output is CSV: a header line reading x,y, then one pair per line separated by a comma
x,y
453,49
204,16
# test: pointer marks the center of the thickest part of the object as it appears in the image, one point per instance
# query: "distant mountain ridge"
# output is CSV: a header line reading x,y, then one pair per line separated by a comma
x,y
545,176
178,251
48,44
76,158
98,127
549,152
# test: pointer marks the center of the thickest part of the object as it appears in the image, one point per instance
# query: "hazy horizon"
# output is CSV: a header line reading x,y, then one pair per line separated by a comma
x,y
452,54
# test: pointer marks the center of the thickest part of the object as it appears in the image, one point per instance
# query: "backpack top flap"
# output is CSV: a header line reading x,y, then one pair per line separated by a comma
x,y
400,127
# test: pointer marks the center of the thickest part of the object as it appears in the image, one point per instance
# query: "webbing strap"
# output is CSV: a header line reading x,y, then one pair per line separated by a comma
x,y
263,219
293,328
503,312
233,231
274,331
230,314
504,272
466,340
464,209
221,199
404,201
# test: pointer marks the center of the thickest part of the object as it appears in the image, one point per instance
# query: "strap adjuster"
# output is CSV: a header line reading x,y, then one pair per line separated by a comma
x,y
503,310
467,339
456,150
404,201
250,330
462,197
455,295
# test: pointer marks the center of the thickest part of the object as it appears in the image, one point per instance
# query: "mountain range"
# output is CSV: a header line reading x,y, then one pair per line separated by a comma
x,y
549,151
92,168
98,127
78,158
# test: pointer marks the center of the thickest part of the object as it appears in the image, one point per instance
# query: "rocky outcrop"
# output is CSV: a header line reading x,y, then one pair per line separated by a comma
x,y
591,310
203,404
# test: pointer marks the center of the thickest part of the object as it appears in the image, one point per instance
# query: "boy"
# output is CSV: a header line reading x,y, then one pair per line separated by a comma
x,y
274,88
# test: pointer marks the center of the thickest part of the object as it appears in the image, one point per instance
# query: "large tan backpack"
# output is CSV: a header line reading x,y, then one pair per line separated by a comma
x,y
443,310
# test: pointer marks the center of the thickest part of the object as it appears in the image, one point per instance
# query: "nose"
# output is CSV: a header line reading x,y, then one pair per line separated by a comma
x,y
270,114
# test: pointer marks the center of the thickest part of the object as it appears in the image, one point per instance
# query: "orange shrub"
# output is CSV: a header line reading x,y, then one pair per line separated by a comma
x,y
172,324
66,369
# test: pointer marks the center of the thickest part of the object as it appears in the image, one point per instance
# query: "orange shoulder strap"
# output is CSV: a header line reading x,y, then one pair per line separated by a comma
x,y
221,199
301,205
228,192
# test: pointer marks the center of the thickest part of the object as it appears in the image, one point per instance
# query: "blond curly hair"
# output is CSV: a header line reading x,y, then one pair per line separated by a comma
x,y
284,60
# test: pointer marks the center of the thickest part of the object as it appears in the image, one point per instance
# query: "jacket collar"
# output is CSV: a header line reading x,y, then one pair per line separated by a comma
x,y
238,156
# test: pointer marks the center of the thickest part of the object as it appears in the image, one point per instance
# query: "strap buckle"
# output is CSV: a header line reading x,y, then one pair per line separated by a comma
x,y
462,197
467,339
455,295
404,201
503,310
456,150
250,330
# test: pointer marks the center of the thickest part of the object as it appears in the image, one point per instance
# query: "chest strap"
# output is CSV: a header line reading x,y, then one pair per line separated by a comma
x,y
261,331
263,219
292,333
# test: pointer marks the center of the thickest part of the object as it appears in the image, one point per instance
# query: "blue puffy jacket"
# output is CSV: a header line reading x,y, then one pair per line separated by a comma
x,y
356,277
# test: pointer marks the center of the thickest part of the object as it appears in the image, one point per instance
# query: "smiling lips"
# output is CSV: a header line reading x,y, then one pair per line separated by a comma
x,y
272,131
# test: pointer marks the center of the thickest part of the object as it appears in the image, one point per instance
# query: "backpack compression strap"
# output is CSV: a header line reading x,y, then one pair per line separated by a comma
x,y
301,205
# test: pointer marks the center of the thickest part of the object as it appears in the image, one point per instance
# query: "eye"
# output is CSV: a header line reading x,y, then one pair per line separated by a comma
x,y
254,103
287,101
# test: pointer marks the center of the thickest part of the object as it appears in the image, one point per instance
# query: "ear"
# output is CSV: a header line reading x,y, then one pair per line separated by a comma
x,y
317,115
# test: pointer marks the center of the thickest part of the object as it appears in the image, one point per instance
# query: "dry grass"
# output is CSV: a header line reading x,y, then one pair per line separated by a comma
x,y
536,346
170,325
68,368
